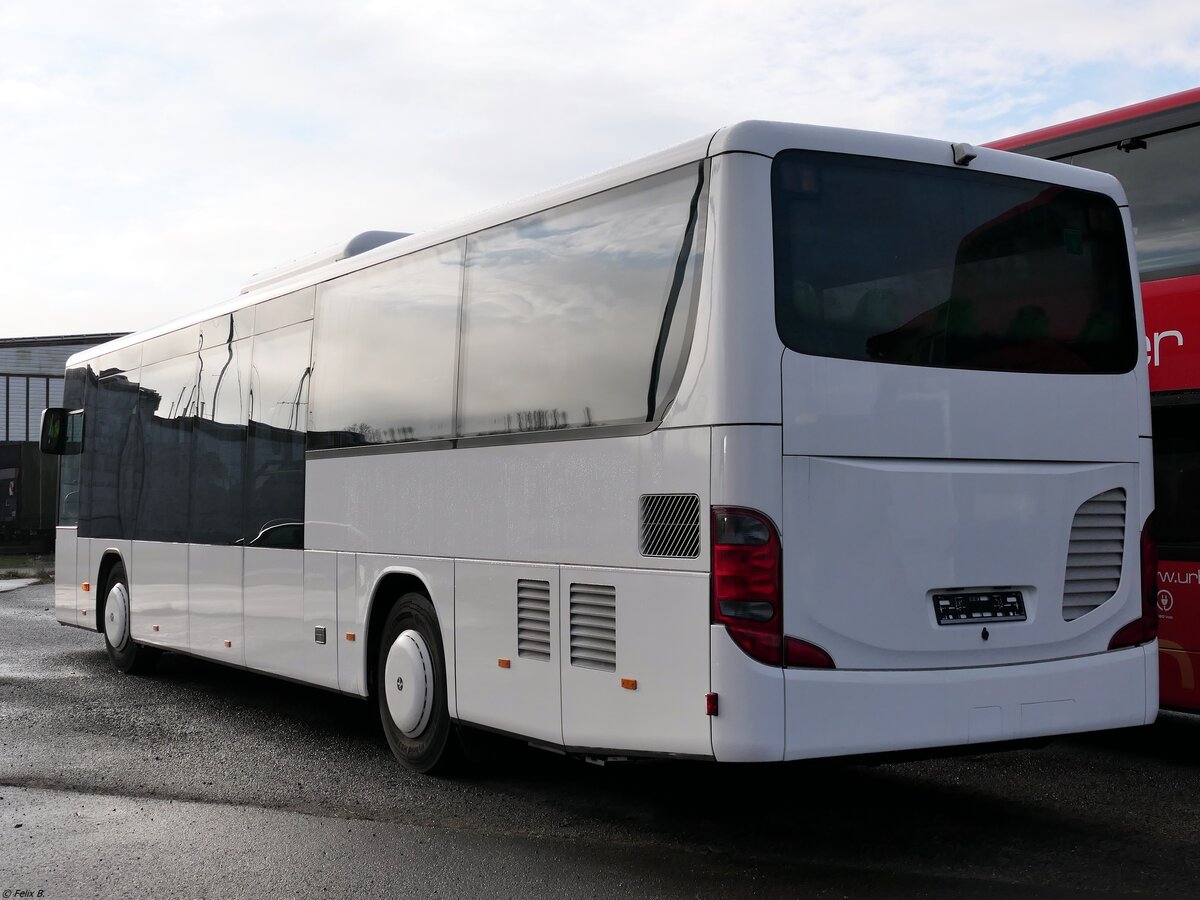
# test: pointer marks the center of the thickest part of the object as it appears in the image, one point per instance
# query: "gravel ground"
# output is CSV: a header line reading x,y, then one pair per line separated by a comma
x,y
201,780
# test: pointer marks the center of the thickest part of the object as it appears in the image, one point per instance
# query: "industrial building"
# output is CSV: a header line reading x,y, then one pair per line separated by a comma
x,y
31,378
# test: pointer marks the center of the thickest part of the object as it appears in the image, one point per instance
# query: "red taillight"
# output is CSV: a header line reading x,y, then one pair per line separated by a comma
x,y
800,654
1143,629
747,589
747,582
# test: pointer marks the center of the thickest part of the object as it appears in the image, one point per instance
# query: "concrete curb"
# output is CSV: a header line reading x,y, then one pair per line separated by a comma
x,y
12,584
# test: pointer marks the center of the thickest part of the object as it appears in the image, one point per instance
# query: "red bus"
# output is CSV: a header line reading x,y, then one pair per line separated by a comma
x,y
1154,149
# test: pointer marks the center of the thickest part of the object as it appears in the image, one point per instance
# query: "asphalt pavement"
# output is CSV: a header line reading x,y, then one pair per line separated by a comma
x,y
205,781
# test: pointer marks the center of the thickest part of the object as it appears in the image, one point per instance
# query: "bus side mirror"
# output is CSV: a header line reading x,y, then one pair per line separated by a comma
x,y
54,431
62,431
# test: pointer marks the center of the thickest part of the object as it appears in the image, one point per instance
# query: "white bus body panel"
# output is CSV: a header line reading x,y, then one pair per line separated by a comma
x,y
215,603
867,543
654,698
838,407
86,601
732,374
746,469
351,662
66,547
771,714
751,719
158,593
320,610
273,598
569,501
836,713
524,694
513,511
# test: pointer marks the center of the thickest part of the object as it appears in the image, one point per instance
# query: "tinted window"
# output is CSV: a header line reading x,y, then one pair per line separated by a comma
x,y
563,322
278,408
167,346
219,442
1177,480
223,329
927,265
119,362
282,311
107,501
386,342
1162,182
167,402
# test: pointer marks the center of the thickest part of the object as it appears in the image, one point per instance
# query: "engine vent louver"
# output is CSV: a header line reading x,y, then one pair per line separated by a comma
x,y
533,619
669,525
1095,553
594,626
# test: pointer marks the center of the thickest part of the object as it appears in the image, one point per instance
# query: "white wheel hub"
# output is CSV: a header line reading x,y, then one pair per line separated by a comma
x,y
116,616
408,682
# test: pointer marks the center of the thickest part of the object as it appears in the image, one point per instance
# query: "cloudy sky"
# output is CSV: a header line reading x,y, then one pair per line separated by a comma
x,y
153,155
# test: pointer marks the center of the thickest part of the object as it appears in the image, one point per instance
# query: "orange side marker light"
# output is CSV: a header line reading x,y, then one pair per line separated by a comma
x,y
504,663
349,635
86,586
630,684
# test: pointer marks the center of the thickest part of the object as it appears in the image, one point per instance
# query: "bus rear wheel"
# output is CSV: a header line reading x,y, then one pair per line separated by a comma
x,y
411,687
126,654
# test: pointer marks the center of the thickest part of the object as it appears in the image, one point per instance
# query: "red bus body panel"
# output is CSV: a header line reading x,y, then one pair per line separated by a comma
x,y
1179,634
1024,142
1172,310
1172,315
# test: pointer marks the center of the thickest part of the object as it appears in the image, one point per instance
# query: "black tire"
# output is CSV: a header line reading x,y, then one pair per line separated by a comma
x,y
126,654
435,748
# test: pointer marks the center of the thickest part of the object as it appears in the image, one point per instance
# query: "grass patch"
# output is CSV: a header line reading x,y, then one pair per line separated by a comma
x,y
9,561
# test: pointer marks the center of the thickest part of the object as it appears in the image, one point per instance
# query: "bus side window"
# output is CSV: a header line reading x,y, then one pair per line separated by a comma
x,y
280,367
563,309
219,439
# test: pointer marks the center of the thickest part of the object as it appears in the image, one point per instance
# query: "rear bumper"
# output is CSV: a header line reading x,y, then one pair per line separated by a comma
x,y
836,713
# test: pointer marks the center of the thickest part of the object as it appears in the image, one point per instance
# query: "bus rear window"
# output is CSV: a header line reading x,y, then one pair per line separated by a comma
x,y
914,264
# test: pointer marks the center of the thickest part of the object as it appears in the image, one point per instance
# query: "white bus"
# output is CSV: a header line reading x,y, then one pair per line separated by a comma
x,y
787,442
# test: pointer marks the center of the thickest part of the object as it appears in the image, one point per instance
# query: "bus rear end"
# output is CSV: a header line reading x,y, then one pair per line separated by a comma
x,y
958,553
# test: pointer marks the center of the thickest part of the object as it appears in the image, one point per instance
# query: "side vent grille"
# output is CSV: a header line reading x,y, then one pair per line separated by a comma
x,y
594,626
669,525
1095,553
533,619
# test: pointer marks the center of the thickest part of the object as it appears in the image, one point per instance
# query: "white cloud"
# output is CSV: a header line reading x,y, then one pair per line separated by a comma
x,y
154,155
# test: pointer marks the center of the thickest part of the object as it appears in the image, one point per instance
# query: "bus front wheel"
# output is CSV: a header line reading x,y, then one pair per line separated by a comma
x,y
126,654
411,687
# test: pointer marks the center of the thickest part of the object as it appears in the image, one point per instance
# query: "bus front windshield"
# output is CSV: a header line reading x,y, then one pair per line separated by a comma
x,y
914,264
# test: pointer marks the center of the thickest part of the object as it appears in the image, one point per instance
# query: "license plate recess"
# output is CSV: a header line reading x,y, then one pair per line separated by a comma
x,y
971,607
